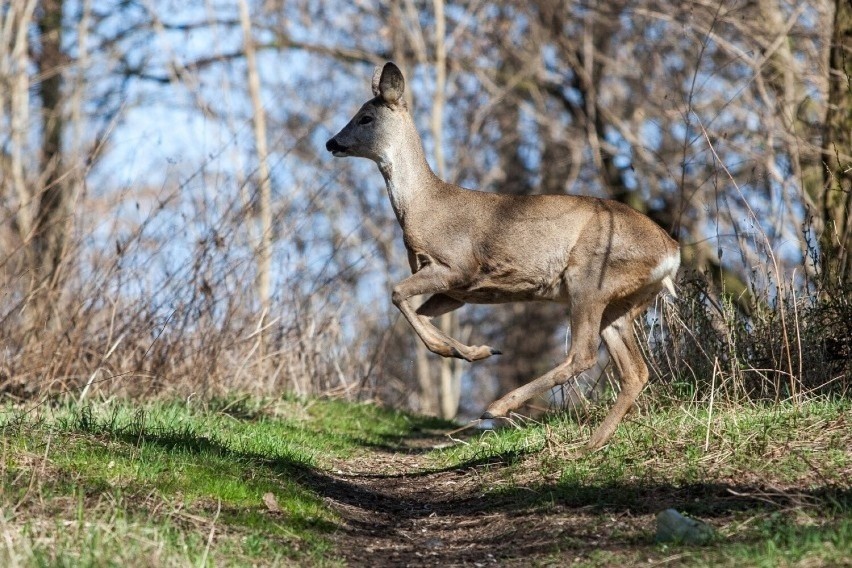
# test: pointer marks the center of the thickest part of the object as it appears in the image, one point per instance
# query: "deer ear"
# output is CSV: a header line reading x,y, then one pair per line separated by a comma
x,y
391,84
377,77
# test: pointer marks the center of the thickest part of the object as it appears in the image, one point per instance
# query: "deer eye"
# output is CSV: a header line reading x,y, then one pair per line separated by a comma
x,y
366,119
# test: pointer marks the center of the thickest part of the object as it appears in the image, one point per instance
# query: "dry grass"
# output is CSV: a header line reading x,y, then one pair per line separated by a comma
x,y
703,348
136,315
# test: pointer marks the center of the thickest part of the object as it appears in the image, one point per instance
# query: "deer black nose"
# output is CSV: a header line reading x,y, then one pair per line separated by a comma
x,y
333,146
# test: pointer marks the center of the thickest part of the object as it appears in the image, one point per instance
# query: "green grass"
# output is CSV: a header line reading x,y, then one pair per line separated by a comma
x,y
773,480
118,484
245,482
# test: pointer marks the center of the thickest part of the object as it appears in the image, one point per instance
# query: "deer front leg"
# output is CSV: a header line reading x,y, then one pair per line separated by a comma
x,y
431,279
438,305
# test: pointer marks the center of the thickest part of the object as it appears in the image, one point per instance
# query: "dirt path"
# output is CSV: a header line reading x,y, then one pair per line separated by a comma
x,y
395,514
397,509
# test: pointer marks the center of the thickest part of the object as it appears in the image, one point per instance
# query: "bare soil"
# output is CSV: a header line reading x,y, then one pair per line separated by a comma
x,y
396,512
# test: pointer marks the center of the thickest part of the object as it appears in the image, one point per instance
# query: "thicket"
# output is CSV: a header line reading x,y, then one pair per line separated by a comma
x,y
171,225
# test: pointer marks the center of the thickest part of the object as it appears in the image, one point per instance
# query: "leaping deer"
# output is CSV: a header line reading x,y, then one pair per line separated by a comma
x,y
601,258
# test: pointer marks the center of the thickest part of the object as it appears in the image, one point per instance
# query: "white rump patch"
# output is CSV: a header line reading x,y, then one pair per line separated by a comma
x,y
666,271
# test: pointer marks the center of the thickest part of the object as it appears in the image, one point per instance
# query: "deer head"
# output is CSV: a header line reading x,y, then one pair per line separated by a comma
x,y
370,132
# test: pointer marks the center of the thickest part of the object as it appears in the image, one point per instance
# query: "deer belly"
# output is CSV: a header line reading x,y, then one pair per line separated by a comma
x,y
513,290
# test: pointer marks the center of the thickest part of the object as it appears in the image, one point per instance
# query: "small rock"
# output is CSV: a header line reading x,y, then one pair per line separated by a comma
x,y
674,527
271,503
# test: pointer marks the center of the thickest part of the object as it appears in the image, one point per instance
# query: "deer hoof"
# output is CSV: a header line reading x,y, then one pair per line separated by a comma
x,y
472,354
596,442
488,415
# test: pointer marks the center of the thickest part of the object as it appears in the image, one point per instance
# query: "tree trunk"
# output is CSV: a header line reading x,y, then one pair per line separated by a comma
x,y
15,70
451,369
836,238
50,226
264,245
50,230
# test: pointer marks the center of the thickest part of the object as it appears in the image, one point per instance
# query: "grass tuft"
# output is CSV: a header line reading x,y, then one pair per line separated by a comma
x,y
225,483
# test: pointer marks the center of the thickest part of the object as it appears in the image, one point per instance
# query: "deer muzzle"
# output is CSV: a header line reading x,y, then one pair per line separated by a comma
x,y
336,148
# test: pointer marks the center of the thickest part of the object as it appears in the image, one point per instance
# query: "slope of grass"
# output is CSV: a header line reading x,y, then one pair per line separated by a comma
x,y
773,480
224,483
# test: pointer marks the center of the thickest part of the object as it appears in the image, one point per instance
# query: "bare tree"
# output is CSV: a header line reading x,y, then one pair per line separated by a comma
x,y
264,246
37,188
723,121
16,111
52,217
836,202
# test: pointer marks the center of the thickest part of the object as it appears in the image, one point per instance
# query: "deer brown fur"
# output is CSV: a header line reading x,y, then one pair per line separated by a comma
x,y
603,260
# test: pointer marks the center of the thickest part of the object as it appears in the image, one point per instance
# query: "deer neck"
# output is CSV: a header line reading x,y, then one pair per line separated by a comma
x,y
408,177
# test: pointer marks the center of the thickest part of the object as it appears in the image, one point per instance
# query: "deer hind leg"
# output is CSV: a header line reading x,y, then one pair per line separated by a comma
x,y
585,339
632,370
